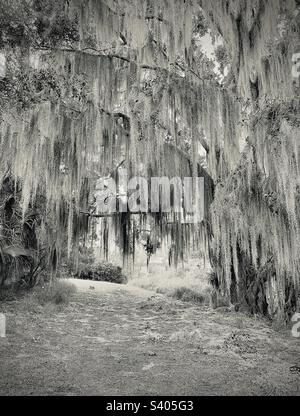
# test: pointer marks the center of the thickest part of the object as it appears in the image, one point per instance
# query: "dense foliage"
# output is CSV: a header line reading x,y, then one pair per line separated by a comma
x,y
102,272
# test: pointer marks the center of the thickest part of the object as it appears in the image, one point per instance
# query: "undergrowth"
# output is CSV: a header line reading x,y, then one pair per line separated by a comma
x,y
58,292
187,286
54,295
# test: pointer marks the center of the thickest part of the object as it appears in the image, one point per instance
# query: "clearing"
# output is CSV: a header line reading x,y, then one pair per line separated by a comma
x,y
122,340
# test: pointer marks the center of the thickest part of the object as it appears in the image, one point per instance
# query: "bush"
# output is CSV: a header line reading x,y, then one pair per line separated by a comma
x,y
188,284
8,294
57,293
189,295
104,272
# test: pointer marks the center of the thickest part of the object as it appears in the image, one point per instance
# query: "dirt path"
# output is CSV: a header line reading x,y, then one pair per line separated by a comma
x,y
115,340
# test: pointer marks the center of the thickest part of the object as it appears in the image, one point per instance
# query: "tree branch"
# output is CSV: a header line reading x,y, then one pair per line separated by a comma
x,y
101,53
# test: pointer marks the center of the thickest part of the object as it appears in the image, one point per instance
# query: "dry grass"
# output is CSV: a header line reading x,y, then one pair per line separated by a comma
x,y
46,297
186,285
50,296
181,348
189,295
57,293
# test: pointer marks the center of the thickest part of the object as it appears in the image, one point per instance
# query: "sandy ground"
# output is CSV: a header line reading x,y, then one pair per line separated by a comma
x,y
121,340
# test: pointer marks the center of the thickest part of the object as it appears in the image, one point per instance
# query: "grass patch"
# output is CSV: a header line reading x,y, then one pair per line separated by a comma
x,y
186,294
57,293
46,297
187,286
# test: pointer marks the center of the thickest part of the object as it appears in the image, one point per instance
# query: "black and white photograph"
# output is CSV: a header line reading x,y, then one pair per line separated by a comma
x,y
149,201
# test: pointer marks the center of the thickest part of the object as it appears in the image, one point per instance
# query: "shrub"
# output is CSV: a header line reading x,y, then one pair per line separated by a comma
x,y
188,285
104,272
189,295
58,292
7,294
